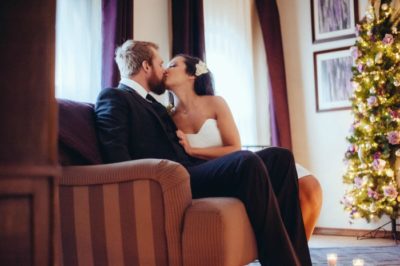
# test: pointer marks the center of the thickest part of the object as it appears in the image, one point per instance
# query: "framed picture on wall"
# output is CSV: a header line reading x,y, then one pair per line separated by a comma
x,y
333,19
333,87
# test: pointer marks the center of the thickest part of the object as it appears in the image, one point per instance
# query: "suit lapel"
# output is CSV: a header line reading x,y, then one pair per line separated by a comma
x,y
139,99
143,102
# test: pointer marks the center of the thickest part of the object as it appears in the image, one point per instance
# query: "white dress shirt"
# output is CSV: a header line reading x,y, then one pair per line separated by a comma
x,y
162,98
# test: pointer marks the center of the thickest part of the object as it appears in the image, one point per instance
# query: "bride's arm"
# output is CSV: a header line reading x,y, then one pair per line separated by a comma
x,y
229,134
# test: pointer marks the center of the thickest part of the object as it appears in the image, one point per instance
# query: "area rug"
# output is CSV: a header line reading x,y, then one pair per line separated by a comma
x,y
373,256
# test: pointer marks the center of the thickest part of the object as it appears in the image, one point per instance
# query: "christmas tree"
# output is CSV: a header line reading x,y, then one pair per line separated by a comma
x,y
373,156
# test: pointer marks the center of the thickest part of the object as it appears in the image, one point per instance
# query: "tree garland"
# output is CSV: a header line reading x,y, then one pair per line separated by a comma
x,y
373,156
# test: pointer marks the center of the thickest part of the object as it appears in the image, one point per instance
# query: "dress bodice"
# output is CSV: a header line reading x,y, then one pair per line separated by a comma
x,y
207,136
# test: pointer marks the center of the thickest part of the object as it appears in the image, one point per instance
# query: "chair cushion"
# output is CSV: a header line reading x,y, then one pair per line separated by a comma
x,y
77,138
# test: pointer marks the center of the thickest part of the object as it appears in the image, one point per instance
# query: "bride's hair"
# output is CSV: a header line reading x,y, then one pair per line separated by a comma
x,y
204,82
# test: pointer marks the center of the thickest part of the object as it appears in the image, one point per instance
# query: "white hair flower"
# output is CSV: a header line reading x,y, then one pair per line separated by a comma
x,y
201,68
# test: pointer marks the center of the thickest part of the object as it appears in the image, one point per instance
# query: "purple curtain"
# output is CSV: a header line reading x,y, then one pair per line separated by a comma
x,y
279,109
117,27
188,28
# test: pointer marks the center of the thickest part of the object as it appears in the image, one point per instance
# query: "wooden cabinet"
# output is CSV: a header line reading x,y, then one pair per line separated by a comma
x,y
26,223
28,119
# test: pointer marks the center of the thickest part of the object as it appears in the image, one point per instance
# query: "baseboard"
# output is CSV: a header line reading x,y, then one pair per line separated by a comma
x,y
350,232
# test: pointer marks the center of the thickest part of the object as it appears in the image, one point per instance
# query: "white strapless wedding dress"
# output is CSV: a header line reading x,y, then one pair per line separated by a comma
x,y
210,136
207,136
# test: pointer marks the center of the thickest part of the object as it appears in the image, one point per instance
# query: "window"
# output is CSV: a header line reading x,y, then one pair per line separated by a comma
x,y
236,56
78,49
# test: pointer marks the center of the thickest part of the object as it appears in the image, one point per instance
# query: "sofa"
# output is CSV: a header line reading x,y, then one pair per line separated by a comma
x,y
139,212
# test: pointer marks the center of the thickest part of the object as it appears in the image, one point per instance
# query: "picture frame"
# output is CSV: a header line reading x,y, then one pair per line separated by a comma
x,y
333,19
333,73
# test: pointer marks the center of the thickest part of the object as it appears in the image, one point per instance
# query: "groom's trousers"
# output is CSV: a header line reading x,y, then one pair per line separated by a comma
x,y
266,182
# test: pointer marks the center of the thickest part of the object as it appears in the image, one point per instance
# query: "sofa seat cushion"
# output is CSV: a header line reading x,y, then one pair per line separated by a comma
x,y
77,138
217,232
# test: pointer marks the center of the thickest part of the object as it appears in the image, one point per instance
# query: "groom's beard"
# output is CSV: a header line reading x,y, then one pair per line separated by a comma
x,y
156,85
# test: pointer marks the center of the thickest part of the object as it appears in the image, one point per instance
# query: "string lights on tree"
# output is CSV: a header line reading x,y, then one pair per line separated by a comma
x,y
373,155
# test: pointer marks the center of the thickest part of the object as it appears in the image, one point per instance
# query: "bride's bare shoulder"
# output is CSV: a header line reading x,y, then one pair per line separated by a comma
x,y
215,104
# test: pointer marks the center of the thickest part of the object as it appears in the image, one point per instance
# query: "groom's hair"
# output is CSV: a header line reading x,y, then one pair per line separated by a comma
x,y
204,83
131,54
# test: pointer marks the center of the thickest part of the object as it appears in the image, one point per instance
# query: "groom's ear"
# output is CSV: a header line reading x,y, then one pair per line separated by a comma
x,y
146,66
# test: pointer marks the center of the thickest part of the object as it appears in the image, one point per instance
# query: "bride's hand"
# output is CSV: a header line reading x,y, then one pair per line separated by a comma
x,y
184,142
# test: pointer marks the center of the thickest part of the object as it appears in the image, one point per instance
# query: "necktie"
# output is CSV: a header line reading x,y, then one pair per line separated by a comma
x,y
151,98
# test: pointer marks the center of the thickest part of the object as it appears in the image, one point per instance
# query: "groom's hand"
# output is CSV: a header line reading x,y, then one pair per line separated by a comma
x,y
183,141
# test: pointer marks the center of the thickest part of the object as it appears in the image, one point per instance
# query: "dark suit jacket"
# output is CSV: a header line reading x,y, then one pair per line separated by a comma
x,y
129,128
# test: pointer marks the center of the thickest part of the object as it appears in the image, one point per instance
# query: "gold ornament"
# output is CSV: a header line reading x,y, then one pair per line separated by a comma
x,y
378,59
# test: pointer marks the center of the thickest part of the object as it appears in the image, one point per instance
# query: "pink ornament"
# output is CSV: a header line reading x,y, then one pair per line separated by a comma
x,y
390,191
393,137
388,39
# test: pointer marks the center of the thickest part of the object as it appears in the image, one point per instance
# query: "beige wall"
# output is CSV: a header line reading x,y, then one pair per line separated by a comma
x,y
152,23
318,138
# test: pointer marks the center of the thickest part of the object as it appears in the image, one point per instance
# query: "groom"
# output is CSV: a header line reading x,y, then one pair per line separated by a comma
x,y
132,125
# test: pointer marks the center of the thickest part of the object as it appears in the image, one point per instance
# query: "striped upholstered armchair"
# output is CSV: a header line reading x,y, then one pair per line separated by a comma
x,y
139,212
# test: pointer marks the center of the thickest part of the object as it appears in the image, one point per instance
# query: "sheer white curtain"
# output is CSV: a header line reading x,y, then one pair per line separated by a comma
x,y
78,49
236,56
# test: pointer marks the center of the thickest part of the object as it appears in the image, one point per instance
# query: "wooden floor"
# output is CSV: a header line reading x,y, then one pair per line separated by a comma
x,y
321,241
325,241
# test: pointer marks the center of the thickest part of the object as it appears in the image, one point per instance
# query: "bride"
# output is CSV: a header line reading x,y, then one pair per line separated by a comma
x,y
207,129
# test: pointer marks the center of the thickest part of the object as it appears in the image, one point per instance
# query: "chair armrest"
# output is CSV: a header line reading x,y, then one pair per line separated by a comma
x,y
167,173
167,190
217,231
